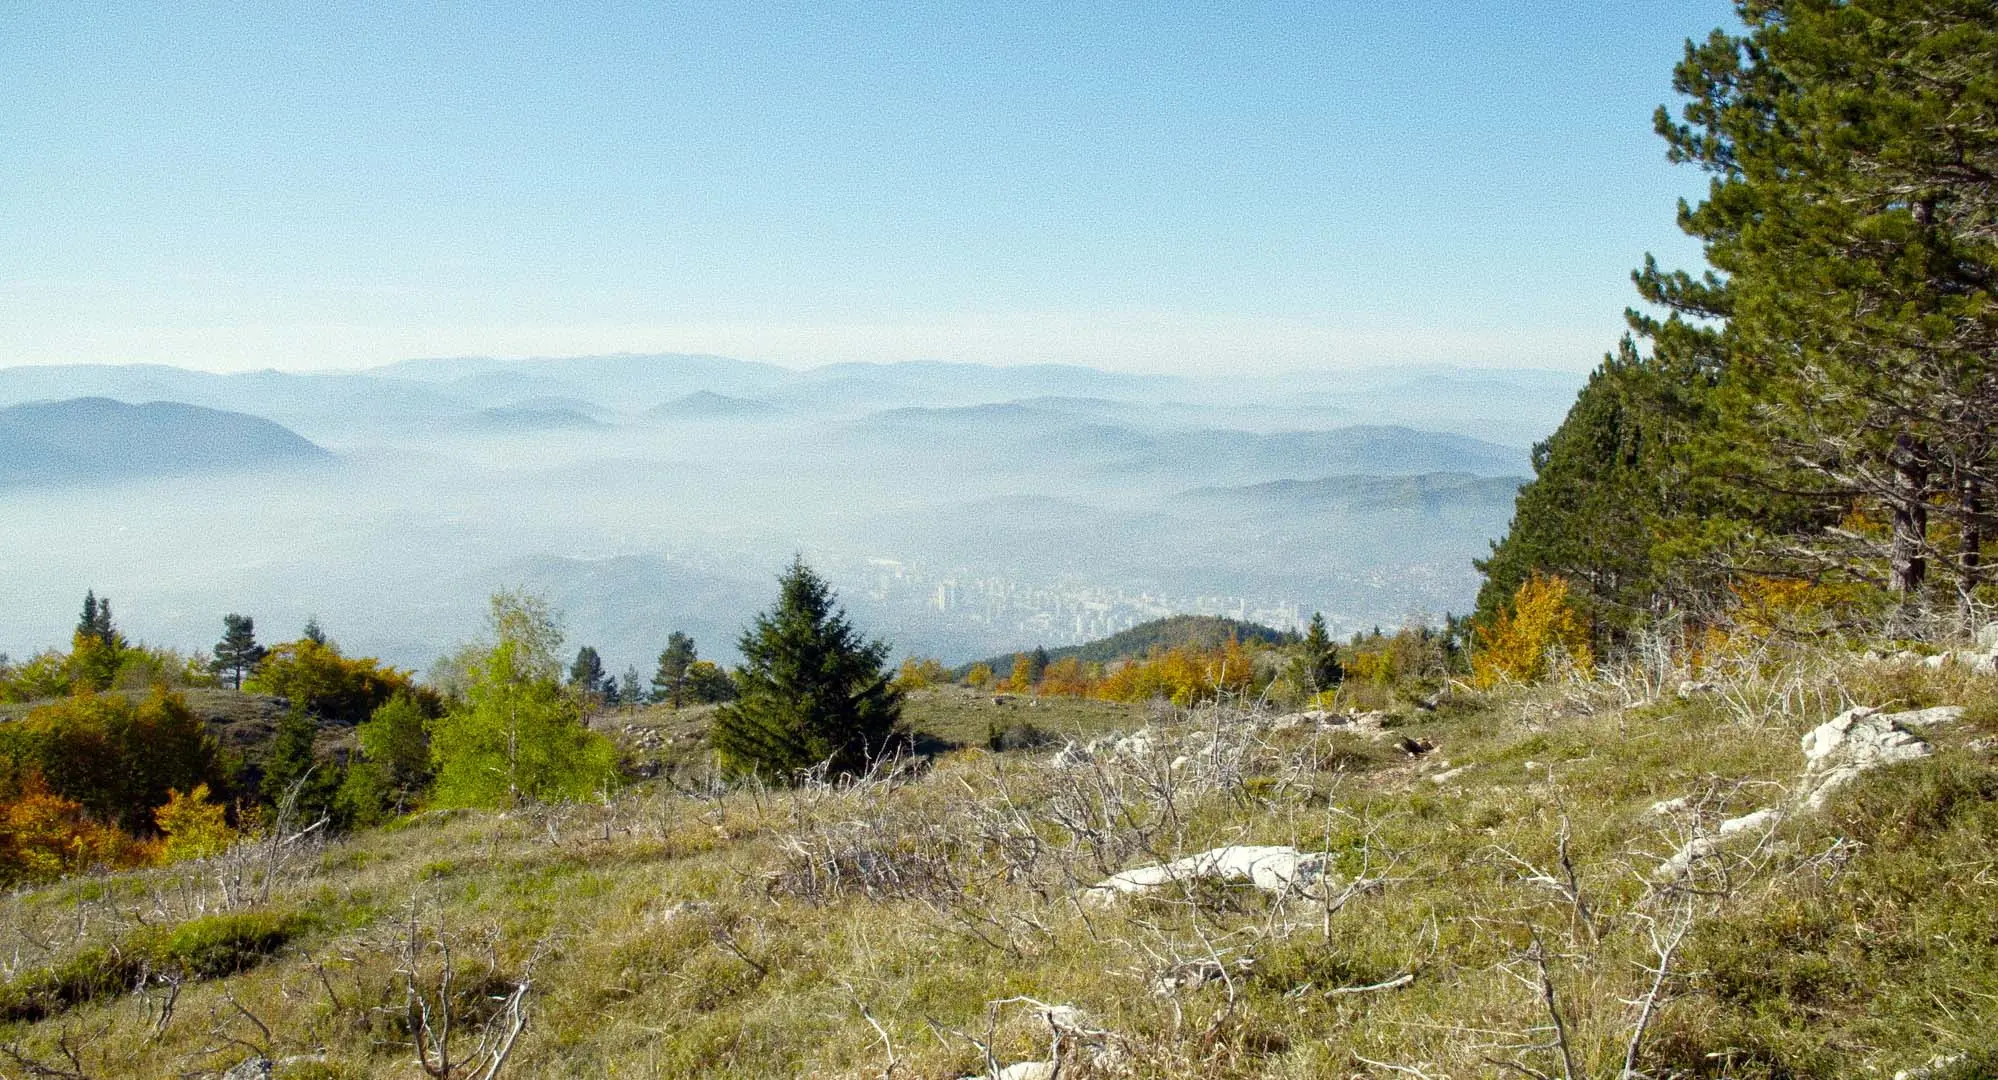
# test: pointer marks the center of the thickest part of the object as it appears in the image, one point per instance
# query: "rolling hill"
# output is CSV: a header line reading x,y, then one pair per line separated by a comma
x,y
93,440
1202,631
708,405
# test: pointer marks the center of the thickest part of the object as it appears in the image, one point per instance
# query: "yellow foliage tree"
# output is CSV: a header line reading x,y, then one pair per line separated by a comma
x,y
1068,677
194,826
1022,679
1530,634
920,673
979,677
1185,675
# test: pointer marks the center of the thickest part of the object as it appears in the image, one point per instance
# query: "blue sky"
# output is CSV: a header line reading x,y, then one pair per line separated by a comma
x,y
1177,187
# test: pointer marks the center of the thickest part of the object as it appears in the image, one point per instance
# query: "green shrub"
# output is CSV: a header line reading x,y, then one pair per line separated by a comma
x,y
206,948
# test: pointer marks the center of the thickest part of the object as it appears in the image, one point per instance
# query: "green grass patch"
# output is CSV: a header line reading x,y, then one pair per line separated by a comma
x,y
211,947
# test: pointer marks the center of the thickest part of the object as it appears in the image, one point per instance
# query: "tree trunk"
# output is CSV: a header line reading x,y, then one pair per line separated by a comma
x,y
1909,563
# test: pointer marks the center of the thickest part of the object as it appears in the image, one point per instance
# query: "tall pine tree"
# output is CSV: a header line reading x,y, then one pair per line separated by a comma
x,y
1852,145
813,692
238,652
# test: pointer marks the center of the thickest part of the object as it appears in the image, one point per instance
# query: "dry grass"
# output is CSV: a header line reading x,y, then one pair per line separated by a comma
x,y
922,923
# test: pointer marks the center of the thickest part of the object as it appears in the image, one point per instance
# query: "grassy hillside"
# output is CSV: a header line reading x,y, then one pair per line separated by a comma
x,y
1200,631
1492,905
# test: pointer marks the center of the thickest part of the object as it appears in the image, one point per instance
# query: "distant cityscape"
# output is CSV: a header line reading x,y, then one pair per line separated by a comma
x,y
977,611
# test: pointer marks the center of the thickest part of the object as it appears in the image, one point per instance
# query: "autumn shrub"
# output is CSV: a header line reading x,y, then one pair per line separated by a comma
x,y
192,826
921,673
335,688
1069,677
44,836
1538,630
1184,675
117,757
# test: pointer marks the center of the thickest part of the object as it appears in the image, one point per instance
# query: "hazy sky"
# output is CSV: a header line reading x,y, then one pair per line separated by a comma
x,y
1183,187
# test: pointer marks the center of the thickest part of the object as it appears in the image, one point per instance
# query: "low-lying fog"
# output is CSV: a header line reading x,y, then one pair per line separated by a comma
x,y
953,527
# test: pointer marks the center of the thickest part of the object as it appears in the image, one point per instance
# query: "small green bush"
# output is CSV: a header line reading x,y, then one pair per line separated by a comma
x,y
206,948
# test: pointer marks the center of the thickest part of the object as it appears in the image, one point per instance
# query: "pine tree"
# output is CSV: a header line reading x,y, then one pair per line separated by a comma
x,y
238,652
812,691
292,766
587,674
97,648
629,688
669,683
1851,145
313,633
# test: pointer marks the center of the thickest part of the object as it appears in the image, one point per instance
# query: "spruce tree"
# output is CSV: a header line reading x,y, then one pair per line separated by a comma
x,y
292,765
812,691
1322,670
97,648
238,652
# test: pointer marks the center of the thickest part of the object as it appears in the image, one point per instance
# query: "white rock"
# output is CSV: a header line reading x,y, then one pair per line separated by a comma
x,y
1987,638
1696,687
1761,820
1307,718
1940,714
1139,743
1682,860
1448,775
1935,1064
1936,662
1025,1070
1668,807
1281,870
1837,751
1070,755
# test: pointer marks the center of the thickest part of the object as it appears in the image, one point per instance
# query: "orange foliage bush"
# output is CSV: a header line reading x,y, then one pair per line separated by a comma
x,y
44,836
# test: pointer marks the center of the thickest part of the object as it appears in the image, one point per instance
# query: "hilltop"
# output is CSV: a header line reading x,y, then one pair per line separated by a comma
x,y
1416,893
1199,631
92,439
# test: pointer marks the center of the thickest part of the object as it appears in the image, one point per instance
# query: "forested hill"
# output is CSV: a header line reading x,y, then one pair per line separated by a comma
x,y
90,440
1200,631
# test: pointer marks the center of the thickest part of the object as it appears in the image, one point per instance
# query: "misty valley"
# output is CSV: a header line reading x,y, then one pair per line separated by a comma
x,y
961,510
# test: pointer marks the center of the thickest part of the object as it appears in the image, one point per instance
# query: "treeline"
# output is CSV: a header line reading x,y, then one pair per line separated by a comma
x,y
1371,670
107,774
99,773
1809,426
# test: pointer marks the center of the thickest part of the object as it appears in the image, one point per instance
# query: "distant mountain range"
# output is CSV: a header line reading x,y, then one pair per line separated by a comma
x,y
1510,407
1016,431
963,509
94,439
